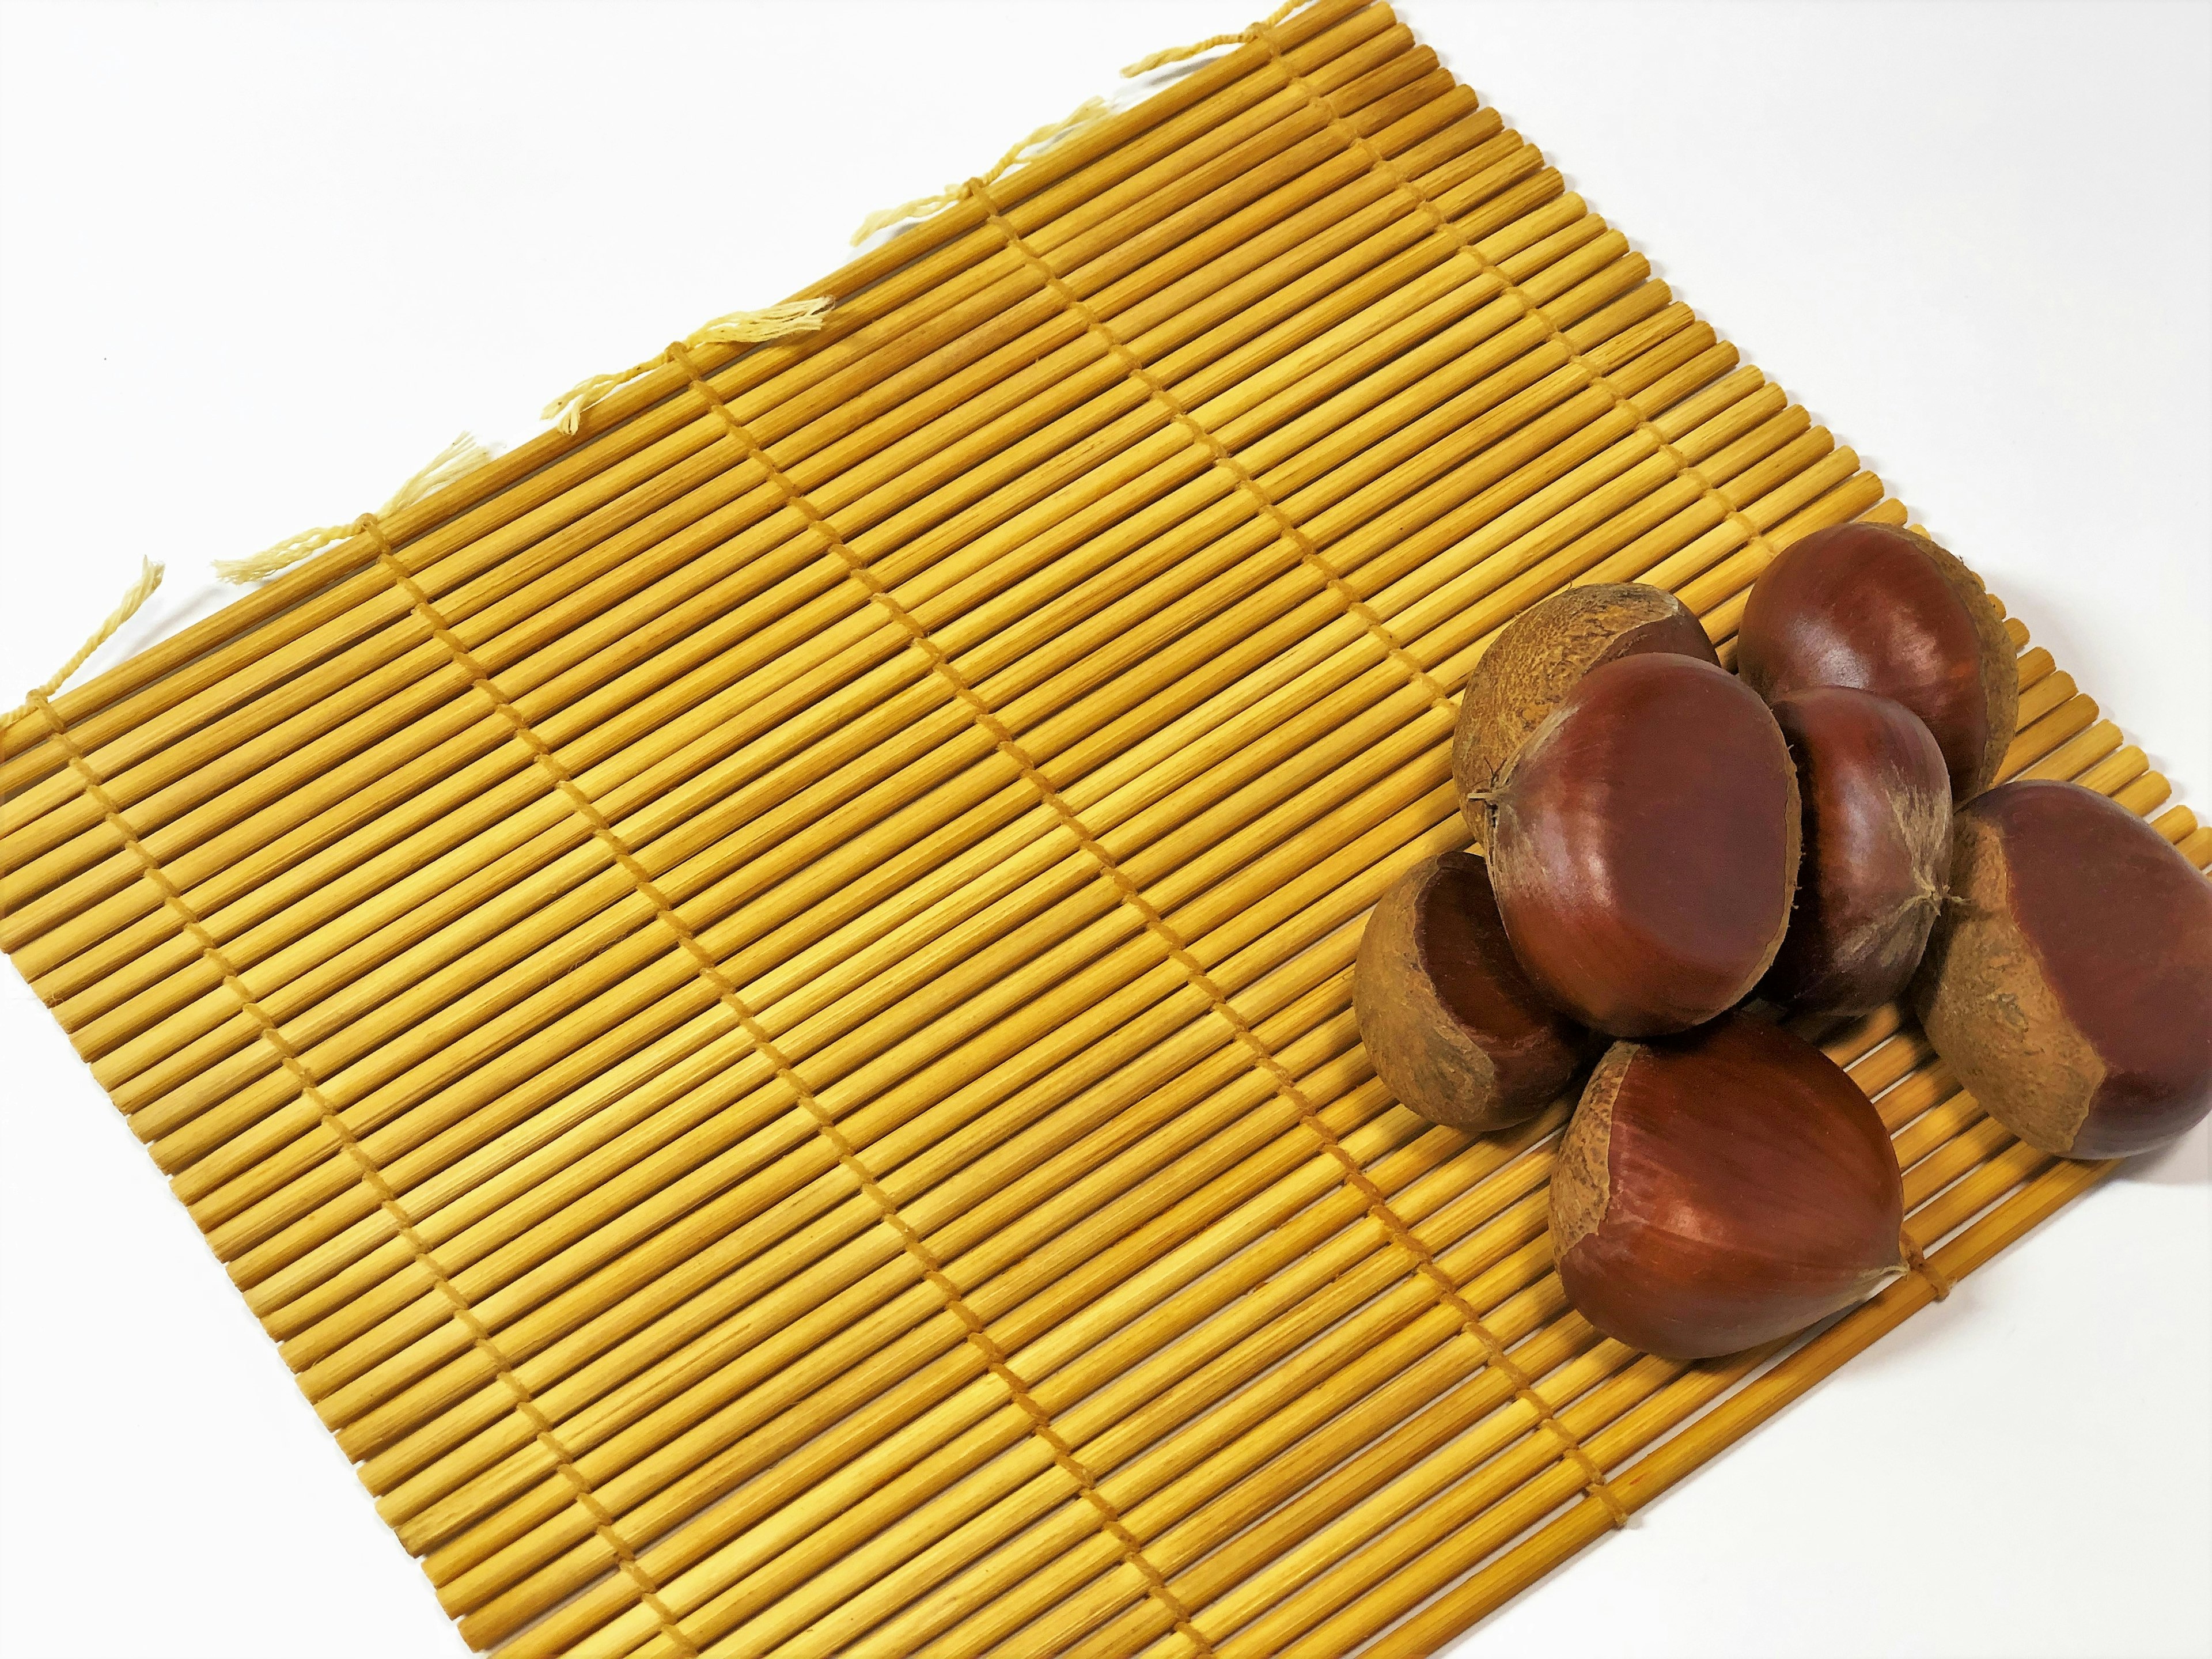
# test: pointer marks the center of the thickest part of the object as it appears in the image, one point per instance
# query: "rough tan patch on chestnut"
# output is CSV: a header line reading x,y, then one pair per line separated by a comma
x,y
1449,1020
1986,1005
1581,1183
1429,1061
1537,660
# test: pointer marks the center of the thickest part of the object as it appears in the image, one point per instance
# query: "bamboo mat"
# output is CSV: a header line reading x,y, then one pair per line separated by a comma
x,y
757,996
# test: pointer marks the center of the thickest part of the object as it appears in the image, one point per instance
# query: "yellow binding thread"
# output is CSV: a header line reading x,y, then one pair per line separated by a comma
x,y
1176,54
463,455
149,578
1090,110
769,323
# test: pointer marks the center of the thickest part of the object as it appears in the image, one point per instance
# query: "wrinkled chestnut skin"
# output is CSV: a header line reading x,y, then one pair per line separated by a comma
x,y
1884,610
1449,1020
1721,1188
2069,980
1644,846
1537,660
1877,840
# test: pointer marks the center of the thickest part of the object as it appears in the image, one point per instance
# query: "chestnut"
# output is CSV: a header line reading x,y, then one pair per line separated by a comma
x,y
1721,1189
1538,658
1450,1022
1877,849
1885,610
1644,845
2069,980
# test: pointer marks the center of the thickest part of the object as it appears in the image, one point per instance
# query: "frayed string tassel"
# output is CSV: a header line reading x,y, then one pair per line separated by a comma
x,y
771,323
462,456
922,207
1177,54
149,578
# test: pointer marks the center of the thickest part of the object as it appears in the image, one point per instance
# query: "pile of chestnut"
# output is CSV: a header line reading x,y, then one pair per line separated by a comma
x,y
1664,841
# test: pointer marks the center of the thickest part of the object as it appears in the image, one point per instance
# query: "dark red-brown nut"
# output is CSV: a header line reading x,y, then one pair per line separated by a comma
x,y
2069,980
1450,1022
1646,845
1721,1189
1538,658
1877,836
1882,610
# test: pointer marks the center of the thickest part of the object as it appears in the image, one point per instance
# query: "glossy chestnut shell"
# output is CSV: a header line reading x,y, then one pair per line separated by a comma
x,y
1877,850
1884,611
1721,1188
1644,845
1538,658
2069,980
1450,1022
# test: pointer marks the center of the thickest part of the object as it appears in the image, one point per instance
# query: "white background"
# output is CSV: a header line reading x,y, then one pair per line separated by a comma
x,y
261,261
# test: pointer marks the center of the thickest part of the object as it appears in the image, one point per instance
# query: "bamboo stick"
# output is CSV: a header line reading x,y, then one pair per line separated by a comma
x,y
2046,736
2144,794
2077,754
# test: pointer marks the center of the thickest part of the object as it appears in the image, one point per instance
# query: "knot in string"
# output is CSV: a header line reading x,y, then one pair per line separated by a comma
x,y
922,207
1177,54
463,455
750,327
149,578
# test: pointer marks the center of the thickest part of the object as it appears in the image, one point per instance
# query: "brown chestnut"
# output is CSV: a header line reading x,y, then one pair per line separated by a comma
x,y
1884,611
2069,980
1721,1188
1538,658
1877,840
1644,845
1450,1022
